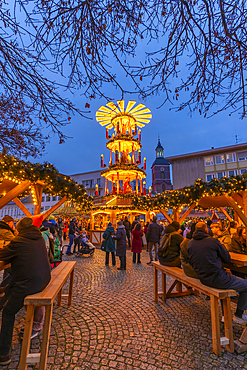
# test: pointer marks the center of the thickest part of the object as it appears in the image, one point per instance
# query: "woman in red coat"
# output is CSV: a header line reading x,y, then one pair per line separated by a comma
x,y
136,246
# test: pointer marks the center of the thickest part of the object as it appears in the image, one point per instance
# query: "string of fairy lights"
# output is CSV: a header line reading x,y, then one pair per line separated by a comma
x,y
177,199
54,183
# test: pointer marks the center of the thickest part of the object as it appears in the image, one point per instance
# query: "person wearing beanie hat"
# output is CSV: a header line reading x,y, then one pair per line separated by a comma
x,y
72,230
169,251
109,244
7,230
176,225
30,270
153,237
121,245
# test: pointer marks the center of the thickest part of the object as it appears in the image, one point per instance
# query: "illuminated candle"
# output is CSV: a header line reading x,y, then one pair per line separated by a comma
x,y
102,159
116,157
135,129
118,127
144,163
144,188
107,132
139,135
139,157
149,192
96,189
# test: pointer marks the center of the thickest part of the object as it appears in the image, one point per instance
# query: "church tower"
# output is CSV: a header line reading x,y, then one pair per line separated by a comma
x,y
161,178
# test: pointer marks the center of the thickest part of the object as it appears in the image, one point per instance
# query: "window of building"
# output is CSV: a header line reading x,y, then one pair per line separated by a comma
x,y
162,174
43,199
221,174
83,182
219,159
232,172
99,182
243,170
91,183
242,156
54,198
210,176
209,161
230,157
48,199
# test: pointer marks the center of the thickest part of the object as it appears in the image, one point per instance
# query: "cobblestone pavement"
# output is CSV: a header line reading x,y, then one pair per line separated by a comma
x,y
114,323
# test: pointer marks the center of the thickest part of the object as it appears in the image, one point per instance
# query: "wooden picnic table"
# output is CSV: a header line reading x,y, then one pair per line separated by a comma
x,y
239,259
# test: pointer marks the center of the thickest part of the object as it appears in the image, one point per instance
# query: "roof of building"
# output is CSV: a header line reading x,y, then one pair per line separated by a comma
x,y
160,160
211,151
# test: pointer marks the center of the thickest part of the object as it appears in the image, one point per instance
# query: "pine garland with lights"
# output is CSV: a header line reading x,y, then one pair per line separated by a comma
x,y
192,194
55,184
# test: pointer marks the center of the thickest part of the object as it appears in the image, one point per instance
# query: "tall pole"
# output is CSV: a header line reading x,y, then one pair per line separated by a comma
x,y
136,184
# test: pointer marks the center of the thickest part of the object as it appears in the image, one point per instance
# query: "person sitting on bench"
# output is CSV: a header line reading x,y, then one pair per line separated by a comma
x,y
206,254
31,273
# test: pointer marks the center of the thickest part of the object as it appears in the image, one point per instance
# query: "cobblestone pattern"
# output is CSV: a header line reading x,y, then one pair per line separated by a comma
x,y
114,323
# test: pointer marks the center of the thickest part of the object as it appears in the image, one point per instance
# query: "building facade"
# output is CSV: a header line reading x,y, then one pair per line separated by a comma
x,y
208,164
161,178
89,181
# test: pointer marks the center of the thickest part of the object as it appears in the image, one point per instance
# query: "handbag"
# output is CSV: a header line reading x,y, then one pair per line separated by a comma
x,y
103,245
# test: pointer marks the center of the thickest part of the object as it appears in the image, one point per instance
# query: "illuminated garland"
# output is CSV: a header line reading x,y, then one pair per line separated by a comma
x,y
55,184
192,194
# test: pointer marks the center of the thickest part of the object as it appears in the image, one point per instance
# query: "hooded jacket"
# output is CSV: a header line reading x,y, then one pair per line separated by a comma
x,y
109,242
174,247
121,241
30,267
185,258
206,254
154,232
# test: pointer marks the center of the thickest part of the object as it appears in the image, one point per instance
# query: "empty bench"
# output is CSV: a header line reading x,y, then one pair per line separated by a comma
x,y
45,298
193,286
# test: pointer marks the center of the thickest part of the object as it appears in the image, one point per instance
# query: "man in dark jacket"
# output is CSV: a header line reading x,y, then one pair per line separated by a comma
x,y
72,230
206,254
153,237
121,245
30,274
172,257
127,226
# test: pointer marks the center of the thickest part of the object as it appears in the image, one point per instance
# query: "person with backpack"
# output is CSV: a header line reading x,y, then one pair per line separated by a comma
x,y
169,249
109,244
153,237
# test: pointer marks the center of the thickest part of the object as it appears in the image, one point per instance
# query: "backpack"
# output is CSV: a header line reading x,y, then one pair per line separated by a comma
x,y
165,244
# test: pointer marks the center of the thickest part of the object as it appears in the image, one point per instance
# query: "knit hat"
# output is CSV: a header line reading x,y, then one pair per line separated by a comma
x,y
7,218
120,223
176,225
110,224
24,223
37,220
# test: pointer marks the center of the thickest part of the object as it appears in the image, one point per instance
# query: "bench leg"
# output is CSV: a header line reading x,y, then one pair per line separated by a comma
x,y
71,287
59,297
164,286
215,325
228,324
25,348
155,284
46,337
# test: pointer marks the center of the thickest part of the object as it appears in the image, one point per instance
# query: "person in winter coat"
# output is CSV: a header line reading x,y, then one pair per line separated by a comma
x,y
173,256
72,230
7,230
153,237
60,227
206,254
127,226
238,244
121,245
30,274
184,255
223,236
65,230
136,220
136,246
110,244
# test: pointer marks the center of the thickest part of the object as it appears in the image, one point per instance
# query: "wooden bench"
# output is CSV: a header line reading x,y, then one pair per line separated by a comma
x,y
45,298
193,286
